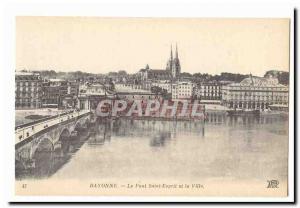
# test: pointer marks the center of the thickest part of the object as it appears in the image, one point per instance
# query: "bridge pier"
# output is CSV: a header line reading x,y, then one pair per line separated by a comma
x,y
29,164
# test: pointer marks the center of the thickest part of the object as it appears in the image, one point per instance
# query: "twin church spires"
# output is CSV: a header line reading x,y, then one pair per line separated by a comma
x,y
172,70
173,64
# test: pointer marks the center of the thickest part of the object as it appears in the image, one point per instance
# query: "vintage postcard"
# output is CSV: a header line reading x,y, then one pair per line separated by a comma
x,y
136,106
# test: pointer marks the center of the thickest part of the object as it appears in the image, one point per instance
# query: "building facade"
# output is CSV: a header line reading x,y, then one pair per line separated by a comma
x,y
148,74
255,93
28,90
54,90
208,91
129,87
69,100
163,84
182,90
91,94
142,96
73,88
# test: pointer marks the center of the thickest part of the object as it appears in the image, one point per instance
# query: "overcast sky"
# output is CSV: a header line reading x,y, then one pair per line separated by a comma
x,y
100,45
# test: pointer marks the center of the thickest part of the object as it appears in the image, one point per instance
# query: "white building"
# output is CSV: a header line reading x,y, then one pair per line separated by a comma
x,y
182,90
95,89
129,87
208,91
90,95
139,95
255,93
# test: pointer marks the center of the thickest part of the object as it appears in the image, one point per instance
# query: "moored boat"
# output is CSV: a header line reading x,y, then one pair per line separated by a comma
x,y
243,112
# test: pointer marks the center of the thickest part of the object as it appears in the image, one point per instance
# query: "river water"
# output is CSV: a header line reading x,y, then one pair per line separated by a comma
x,y
230,147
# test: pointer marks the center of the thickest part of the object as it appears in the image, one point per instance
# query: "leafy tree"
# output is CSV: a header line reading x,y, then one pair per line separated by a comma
x,y
122,73
282,76
186,74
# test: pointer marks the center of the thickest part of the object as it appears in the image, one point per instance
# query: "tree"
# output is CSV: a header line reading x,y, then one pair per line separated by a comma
x,y
157,90
111,84
122,73
283,78
112,74
185,74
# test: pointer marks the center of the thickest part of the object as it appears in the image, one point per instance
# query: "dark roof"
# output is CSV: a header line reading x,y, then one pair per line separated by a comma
x,y
159,71
159,74
135,93
26,77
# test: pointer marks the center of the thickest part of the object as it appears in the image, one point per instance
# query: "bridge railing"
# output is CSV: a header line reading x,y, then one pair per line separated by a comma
x,y
40,120
27,130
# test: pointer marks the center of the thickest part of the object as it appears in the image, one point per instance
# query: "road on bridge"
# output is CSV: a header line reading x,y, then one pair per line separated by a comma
x,y
25,131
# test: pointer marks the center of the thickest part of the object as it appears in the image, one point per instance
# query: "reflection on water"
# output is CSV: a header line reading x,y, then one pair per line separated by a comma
x,y
235,147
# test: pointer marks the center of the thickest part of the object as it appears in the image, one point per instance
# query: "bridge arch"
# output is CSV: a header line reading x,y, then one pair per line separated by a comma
x,y
45,143
62,136
86,121
77,126
81,124
33,152
64,133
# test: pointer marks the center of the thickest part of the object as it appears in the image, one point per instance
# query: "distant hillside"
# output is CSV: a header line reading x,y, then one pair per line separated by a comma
x,y
51,74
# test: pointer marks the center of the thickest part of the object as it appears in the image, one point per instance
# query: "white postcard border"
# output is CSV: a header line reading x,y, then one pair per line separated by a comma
x,y
155,9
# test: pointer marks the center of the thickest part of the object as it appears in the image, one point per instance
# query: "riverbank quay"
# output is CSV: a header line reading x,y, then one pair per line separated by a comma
x,y
29,115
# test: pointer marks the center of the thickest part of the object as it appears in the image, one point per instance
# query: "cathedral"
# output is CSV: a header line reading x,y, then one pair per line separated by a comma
x,y
171,72
173,64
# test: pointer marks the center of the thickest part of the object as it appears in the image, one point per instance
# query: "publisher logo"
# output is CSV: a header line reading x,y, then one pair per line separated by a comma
x,y
273,184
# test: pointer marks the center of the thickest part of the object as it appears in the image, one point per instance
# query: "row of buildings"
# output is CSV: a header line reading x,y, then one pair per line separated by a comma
x,y
32,91
251,93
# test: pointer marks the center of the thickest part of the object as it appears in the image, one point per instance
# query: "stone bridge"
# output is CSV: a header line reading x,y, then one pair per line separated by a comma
x,y
47,135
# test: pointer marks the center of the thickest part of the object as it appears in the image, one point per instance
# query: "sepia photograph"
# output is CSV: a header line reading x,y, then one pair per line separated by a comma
x,y
152,106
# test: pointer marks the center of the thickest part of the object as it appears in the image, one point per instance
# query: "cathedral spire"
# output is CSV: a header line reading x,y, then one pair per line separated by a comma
x,y
176,52
171,53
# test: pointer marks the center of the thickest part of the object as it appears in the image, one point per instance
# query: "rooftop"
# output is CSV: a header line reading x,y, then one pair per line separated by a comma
x,y
130,90
259,82
27,76
57,80
163,71
21,73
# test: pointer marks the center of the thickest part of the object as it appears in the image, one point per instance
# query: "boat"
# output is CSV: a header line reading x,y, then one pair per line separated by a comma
x,y
240,112
275,113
